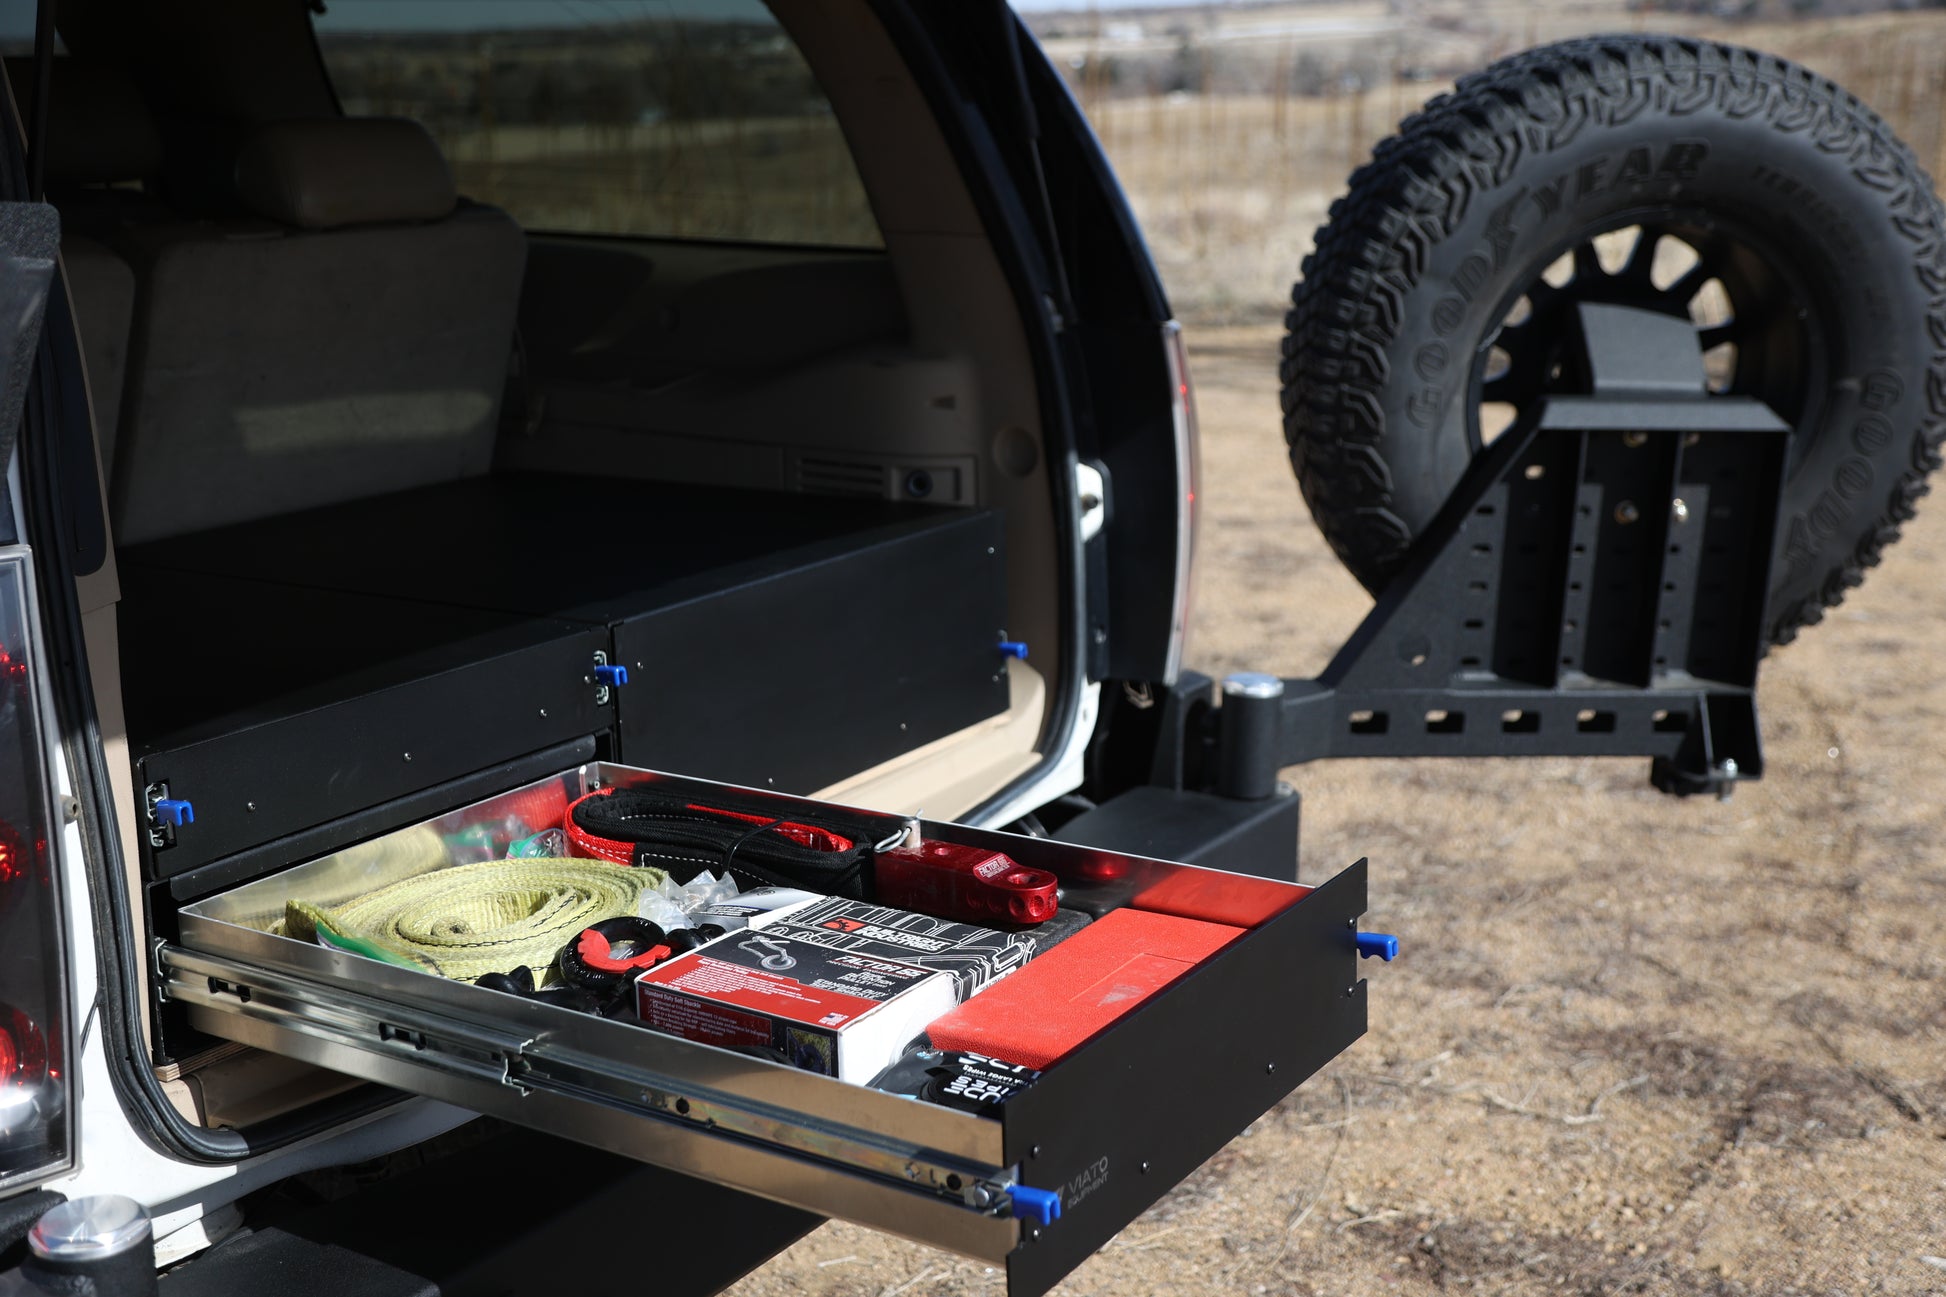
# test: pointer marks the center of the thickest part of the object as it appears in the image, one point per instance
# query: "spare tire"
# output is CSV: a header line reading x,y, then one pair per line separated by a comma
x,y
1778,212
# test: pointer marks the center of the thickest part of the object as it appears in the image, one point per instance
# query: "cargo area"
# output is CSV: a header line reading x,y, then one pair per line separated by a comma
x,y
425,458
581,520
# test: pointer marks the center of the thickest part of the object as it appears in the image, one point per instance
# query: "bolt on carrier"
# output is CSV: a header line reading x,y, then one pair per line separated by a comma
x,y
1593,587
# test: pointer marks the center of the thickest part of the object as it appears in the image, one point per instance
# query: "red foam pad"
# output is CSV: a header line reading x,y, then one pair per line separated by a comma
x,y
1217,897
1074,990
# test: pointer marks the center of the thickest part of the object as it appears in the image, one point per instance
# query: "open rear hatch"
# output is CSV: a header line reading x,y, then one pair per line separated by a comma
x,y
1039,1181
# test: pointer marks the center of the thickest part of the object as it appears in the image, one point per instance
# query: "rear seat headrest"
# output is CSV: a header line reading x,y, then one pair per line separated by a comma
x,y
321,173
99,131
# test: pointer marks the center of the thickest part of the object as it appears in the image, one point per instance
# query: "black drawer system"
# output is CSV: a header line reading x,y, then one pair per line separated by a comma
x,y
1108,1128
280,674
270,708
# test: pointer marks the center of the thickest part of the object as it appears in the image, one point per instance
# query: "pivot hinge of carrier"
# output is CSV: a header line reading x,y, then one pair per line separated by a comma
x,y
607,677
166,814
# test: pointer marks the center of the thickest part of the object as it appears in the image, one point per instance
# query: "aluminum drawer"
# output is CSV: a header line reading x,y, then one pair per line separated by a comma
x,y
1112,1126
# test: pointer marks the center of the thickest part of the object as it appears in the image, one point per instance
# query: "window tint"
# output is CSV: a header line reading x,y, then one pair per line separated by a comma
x,y
693,119
17,28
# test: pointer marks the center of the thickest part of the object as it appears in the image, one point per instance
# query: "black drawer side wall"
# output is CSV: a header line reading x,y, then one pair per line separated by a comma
x,y
315,766
797,680
1170,1084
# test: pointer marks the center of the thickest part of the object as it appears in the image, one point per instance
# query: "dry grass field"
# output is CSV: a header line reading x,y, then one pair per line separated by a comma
x,y
1634,1044
1230,184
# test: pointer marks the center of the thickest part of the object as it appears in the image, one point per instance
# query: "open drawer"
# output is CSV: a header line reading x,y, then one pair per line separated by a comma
x,y
1109,1127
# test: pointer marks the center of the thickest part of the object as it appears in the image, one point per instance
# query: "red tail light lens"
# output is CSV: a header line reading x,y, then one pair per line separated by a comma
x,y
36,1135
15,862
23,1049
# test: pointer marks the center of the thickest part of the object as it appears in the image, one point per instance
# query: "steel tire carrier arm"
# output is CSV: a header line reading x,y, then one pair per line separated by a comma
x,y
1595,586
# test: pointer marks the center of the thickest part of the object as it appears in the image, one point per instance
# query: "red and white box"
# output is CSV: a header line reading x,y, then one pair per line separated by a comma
x,y
843,1013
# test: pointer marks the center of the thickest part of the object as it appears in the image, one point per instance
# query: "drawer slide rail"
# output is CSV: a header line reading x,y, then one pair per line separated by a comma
x,y
508,1073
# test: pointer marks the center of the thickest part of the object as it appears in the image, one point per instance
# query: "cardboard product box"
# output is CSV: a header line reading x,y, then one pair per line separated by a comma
x,y
844,1013
975,956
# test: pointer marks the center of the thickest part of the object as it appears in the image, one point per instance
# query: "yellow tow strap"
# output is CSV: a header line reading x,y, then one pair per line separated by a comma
x,y
489,917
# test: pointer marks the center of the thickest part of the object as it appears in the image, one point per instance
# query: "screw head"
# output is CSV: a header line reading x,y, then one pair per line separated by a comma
x,y
1635,440
1145,1168
1679,510
1626,512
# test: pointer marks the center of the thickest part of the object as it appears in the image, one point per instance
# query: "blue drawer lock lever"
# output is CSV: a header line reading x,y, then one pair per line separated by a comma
x,y
1382,944
1042,1206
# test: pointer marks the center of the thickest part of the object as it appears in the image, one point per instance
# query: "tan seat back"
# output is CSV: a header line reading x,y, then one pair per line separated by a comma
x,y
350,339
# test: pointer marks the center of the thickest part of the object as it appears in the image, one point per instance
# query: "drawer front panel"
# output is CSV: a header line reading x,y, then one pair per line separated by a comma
x,y
1111,1126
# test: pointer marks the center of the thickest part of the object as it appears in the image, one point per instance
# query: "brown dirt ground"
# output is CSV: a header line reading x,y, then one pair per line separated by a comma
x,y
1633,1044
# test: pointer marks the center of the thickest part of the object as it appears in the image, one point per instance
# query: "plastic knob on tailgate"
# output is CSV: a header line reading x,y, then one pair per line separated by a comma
x,y
175,812
612,674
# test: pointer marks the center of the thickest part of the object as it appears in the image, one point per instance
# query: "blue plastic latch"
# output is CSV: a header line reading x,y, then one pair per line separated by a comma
x,y
611,673
174,811
1382,944
1014,648
1042,1206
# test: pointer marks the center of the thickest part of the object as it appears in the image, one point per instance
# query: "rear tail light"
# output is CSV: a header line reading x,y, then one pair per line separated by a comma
x,y
36,1134
1182,403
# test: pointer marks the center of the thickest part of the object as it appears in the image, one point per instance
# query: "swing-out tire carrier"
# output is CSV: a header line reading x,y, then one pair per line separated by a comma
x,y
1594,587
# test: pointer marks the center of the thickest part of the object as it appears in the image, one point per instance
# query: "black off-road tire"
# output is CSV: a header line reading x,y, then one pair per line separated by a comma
x,y
1456,217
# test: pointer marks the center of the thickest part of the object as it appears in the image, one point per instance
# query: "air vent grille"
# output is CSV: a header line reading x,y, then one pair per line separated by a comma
x,y
823,475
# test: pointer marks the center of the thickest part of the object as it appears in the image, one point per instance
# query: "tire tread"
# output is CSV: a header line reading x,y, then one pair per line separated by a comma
x,y
1348,303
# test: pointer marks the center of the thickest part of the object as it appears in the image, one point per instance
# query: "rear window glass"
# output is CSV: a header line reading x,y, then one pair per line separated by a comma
x,y
690,119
